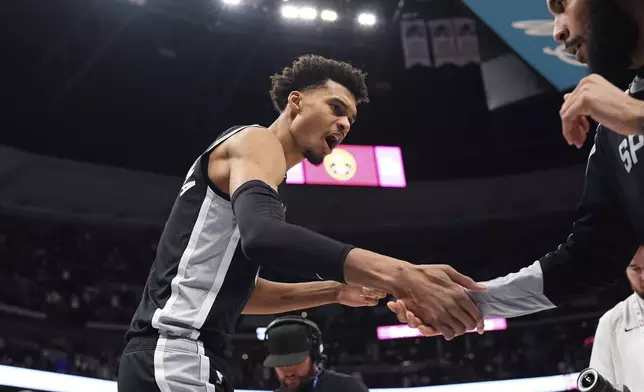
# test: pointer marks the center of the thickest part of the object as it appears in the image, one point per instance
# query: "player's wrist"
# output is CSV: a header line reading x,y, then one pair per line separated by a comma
x,y
638,114
369,269
337,289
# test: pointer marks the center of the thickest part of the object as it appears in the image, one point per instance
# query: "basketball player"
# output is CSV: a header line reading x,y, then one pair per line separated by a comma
x,y
228,221
609,36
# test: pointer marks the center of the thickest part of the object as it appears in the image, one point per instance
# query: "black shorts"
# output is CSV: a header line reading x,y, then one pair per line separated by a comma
x,y
160,364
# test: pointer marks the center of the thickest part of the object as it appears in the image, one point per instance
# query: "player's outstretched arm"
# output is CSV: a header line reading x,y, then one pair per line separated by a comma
x,y
274,298
592,259
257,166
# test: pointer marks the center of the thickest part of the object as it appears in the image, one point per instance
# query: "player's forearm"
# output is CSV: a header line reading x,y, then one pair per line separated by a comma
x,y
639,118
369,269
271,242
513,295
274,298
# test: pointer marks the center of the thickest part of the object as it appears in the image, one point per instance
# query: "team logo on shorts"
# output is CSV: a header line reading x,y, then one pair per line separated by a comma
x,y
340,165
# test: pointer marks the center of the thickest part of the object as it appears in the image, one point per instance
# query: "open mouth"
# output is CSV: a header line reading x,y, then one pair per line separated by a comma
x,y
332,141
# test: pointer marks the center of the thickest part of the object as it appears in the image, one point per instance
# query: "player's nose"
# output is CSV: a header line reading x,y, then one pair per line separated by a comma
x,y
560,33
344,124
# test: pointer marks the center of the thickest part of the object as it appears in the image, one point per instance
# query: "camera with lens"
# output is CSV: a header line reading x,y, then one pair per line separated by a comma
x,y
590,380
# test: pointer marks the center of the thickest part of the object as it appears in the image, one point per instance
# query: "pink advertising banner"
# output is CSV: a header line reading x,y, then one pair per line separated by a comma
x,y
376,166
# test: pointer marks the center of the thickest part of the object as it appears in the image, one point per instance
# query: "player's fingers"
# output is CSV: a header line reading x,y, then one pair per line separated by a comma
x,y
566,131
585,124
575,130
413,321
463,280
572,126
428,331
370,301
395,307
468,314
373,293
377,294
480,327
472,311
401,306
418,322
445,329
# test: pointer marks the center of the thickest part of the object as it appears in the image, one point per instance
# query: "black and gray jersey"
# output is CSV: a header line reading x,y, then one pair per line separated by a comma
x,y
200,280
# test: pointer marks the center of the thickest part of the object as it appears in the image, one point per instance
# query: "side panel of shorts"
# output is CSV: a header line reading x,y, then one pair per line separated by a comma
x,y
173,365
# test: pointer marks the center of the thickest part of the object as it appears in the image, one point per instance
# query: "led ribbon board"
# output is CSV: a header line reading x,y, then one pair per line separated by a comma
x,y
21,378
376,166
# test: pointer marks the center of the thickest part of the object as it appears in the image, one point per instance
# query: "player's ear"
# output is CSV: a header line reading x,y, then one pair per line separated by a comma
x,y
295,101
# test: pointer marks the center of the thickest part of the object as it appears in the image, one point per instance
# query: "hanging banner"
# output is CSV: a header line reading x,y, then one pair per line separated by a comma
x,y
443,42
415,43
467,41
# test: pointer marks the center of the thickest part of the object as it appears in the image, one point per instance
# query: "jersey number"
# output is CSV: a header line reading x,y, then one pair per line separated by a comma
x,y
189,184
628,150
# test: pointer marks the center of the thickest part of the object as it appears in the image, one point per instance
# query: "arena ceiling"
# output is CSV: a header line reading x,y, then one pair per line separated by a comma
x,y
147,85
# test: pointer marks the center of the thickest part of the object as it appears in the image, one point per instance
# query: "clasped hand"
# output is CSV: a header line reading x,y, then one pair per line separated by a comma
x,y
432,298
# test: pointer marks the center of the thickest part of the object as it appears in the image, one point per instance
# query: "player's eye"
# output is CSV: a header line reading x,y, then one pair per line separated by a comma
x,y
560,6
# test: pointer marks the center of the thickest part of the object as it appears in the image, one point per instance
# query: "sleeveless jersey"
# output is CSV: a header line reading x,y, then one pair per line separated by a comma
x,y
200,280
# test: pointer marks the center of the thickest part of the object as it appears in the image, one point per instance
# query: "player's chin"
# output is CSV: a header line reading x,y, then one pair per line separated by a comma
x,y
314,158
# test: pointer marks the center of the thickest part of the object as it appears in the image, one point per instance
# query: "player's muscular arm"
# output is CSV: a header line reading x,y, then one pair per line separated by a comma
x,y
256,167
255,155
592,259
273,298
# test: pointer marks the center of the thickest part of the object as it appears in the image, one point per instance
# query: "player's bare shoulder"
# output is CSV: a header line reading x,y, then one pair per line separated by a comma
x,y
254,145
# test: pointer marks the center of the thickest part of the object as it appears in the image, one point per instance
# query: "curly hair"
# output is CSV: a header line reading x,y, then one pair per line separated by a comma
x,y
311,71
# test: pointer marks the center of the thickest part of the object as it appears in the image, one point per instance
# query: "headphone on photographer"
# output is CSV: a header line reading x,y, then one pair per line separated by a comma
x,y
314,337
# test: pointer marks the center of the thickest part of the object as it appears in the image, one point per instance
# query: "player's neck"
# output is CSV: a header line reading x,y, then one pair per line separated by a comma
x,y
292,153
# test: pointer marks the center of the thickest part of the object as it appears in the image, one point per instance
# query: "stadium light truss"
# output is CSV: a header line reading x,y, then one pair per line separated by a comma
x,y
328,15
309,13
367,19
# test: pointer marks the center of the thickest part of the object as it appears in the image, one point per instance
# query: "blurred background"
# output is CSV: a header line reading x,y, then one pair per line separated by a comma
x,y
108,102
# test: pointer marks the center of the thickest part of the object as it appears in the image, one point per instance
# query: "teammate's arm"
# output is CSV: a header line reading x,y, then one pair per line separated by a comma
x,y
274,298
257,165
592,259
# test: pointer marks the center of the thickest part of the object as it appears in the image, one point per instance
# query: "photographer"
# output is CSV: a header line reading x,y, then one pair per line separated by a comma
x,y
295,352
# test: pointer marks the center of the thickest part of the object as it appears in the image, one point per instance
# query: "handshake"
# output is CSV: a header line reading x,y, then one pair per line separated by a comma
x,y
431,298
446,309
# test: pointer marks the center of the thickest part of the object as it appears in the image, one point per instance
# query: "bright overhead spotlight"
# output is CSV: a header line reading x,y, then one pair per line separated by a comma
x,y
329,16
308,13
367,19
290,12
232,2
